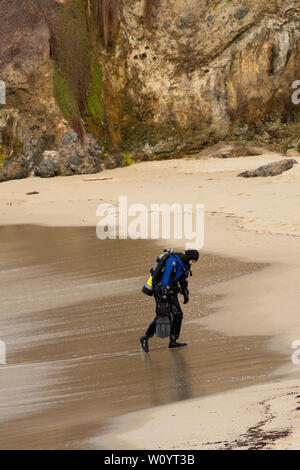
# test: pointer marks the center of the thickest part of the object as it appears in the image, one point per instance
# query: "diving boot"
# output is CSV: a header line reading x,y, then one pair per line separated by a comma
x,y
174,344
144,343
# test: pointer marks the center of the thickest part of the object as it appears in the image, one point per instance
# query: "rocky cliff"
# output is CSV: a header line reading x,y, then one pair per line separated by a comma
x,y
98,83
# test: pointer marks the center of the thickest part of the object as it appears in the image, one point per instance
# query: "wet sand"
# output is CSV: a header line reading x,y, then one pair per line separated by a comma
x,y
71,316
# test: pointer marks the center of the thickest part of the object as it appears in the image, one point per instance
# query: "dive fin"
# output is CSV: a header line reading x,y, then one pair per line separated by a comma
x,y
162,326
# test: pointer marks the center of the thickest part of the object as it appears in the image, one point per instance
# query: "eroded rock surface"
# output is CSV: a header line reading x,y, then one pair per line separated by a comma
x,y
207,71
156,83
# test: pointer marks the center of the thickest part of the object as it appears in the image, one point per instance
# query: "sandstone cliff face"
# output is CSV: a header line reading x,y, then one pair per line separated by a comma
x,y
208,70
39,40
30,119
145,78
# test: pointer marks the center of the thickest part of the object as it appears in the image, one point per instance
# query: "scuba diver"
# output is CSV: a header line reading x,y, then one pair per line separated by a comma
x,y
169,278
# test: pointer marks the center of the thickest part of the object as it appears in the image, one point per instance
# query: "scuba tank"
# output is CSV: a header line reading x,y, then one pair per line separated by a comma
x,y
156,271
148,286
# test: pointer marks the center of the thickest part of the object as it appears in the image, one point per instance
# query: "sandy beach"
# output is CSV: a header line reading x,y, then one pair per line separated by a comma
x,y
254,220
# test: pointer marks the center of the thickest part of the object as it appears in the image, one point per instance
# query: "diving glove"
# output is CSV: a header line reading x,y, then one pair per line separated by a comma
x,y
185,296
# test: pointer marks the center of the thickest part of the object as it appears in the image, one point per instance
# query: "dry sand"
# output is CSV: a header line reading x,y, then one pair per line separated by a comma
x,y
254,220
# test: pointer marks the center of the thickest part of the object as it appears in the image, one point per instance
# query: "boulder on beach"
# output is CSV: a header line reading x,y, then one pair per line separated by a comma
x,y
229,150
56,163
293,152
272,169
47,169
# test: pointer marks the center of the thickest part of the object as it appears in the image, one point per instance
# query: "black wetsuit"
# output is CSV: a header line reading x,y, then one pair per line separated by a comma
x,y
162,295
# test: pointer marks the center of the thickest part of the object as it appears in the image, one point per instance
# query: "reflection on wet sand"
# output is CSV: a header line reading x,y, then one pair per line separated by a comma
x,y
173,373
71,315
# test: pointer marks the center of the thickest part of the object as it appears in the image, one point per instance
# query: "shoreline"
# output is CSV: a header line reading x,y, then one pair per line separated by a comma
x,y
256,417
241,221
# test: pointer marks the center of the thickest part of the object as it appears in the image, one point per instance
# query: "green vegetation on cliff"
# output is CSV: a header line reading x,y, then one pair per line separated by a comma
x,y
78,76
65,96
78,29
94,94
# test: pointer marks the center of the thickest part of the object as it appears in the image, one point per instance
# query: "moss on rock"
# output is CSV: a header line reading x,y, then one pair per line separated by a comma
x,y
65,96
127,159
78,75
95,92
